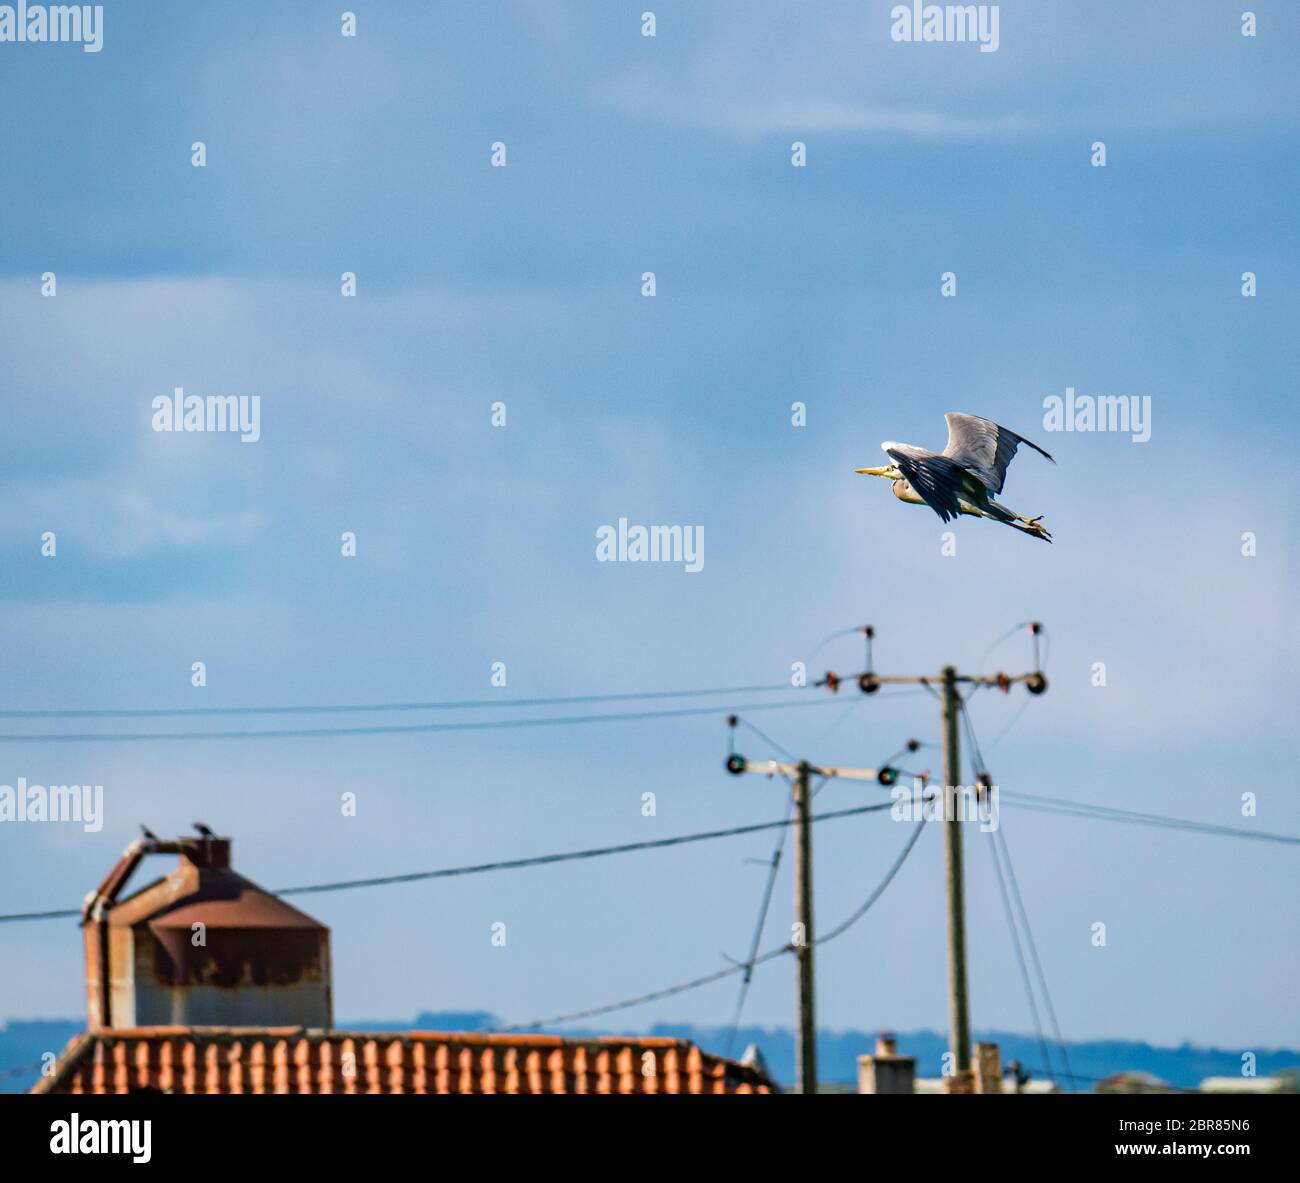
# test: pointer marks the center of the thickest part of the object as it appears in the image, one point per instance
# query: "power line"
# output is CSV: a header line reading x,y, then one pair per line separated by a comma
x,y
570,856
1037,629
865,906
514,864
718,975
835,726
1050,804
1063,806
835,636
640,1000
773,866
767,739
384,707
401,729
1000,843
1000,837
59,914
1011,632
1001,735
970,734
1020,956
1093,812
1088,810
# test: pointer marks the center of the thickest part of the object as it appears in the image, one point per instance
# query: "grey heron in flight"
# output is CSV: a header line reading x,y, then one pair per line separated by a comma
x,y
963,478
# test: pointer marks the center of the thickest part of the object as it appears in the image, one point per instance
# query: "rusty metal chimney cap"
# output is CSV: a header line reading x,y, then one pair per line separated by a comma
x,y
224,899
202,887
205,852
217,896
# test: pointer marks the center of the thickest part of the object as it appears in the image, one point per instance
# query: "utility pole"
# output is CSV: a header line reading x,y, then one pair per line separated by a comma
x,y
800,775
806,1081
954,889
962,1079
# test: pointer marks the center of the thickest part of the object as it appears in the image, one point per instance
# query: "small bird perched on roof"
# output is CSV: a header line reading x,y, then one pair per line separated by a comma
x,y
204,830
148,833
963,477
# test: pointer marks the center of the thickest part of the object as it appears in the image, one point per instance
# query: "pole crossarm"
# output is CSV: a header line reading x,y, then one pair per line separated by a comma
x,y
1030,677
781,768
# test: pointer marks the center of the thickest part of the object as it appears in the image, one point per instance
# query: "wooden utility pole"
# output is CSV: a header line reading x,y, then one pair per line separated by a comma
x,y
962,1079
954,890
800,776
806,1080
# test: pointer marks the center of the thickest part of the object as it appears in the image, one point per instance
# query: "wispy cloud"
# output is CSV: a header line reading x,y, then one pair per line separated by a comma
x,y
136,525
838,117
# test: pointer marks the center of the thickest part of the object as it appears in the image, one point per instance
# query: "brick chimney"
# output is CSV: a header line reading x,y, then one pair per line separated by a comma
x,y
886,1071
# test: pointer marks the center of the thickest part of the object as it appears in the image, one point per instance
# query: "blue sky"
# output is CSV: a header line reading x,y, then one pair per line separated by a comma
x,y
775,285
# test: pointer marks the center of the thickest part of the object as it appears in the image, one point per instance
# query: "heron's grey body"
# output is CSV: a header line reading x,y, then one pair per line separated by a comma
x,y
964,476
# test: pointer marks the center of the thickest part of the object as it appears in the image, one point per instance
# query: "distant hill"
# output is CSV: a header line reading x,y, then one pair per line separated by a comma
x,y
22,1044
837,1054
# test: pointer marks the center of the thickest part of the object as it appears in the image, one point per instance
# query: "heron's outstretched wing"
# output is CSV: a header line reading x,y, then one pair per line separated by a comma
x,y
938,480
983,448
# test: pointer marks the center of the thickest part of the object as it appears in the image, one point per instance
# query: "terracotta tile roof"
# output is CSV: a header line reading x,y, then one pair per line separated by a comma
x,y
302,1060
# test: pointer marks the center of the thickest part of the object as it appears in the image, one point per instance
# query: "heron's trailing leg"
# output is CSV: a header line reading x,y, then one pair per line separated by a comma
x,y
1000,513
1009,517
1031,527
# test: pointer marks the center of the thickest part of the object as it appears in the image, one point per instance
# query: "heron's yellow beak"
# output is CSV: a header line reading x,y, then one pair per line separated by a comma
x,y
886,471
